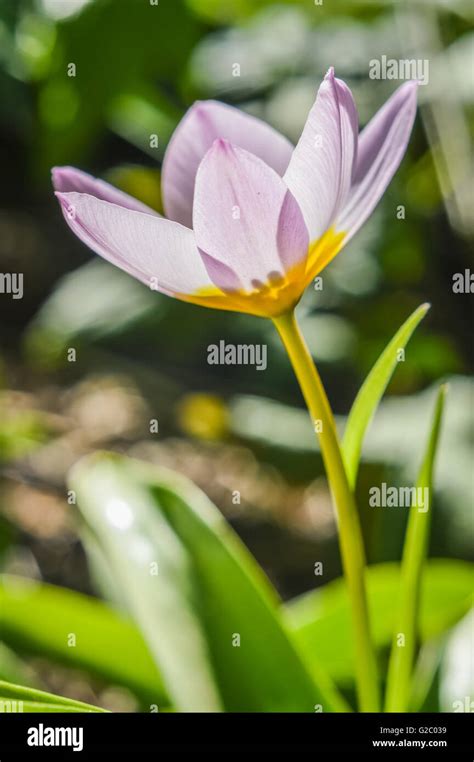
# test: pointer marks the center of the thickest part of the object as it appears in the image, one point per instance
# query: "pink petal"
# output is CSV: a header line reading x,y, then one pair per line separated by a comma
x,y
320,169
245,218
70,179
202,124
160,253
382,145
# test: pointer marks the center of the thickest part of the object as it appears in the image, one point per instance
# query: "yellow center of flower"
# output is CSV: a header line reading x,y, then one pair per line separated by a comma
x,y
280,292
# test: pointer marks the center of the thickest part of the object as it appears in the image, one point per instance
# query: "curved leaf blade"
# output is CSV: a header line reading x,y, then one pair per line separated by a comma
x,y
371,392
19,698
414,554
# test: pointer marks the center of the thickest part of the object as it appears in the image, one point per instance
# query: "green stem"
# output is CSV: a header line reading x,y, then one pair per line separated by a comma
x,y
351,541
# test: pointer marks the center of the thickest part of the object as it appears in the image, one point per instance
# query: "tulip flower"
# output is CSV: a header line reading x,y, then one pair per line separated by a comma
x,y
250,221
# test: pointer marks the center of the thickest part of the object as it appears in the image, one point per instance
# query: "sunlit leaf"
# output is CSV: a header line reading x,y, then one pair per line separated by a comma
x,y
209,615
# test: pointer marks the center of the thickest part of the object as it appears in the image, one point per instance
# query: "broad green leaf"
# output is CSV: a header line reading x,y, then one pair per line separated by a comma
x,y
209,615
321,620
37,618
371,392
153,569
19,698
414,555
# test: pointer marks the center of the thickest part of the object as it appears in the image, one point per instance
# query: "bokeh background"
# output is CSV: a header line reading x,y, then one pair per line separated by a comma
x,y
141,356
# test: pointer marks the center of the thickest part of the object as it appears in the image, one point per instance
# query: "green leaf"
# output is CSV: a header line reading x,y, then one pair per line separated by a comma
x,y
414,555
37,618
137,543
321,620
19,698
207,596
371,392
13,669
